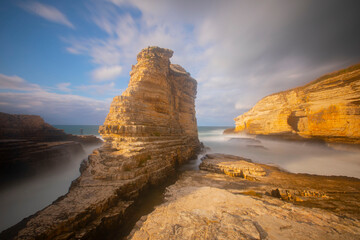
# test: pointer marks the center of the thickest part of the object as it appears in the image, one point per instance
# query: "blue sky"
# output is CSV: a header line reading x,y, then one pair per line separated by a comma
x,y
65,60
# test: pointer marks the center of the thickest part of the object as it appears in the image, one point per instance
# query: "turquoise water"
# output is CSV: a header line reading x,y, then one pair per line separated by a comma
x,y
76,129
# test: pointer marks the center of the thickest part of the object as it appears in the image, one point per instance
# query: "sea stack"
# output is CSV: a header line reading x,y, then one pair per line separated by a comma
x,y
327,109
152,124
150,129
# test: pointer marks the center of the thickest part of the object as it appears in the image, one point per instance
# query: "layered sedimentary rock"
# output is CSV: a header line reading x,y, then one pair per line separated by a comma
x,y
150,129
152,124
28,145
327,109
34,128
277,205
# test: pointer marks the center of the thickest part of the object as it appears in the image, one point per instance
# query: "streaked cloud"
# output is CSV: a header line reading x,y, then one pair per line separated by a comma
x,y
16,83
106,73
107,89
239,51
47,12
54,107
22,97
64,87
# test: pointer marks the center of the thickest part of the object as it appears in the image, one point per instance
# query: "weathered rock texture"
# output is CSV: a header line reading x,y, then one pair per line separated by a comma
x,y
34,128
207,205
152,125
336,194
326,109
150,129
232,166
28,145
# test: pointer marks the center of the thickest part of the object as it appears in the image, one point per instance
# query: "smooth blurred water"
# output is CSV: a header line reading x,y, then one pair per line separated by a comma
x,y
26,197
296,157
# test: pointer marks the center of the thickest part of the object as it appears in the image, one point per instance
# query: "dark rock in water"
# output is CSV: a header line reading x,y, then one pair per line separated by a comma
x,y
244,140
229,131
149,131
257,147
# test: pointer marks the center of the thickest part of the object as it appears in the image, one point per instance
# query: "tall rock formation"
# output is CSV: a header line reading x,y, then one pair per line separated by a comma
x,y
150,129
153,121
326,109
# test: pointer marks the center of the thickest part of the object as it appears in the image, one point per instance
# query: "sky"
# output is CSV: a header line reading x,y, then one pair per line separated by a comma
x,y
65,60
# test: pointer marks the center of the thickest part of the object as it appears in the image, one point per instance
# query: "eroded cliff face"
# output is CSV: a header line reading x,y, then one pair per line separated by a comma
x,y
152,124
327,109
150,129
29,146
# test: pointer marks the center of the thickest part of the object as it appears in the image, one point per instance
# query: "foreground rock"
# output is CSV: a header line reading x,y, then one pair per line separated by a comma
x,y
28,145
209,205
325,109
150,129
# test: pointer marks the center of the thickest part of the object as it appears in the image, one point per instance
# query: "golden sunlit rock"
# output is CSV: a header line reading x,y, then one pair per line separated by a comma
x,y
327,108
210,204
150,129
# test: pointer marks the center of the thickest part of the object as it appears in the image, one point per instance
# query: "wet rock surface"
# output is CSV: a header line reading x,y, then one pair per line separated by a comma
x,y
277,205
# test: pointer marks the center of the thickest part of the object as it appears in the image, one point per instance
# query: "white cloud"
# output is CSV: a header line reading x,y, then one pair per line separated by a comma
x,y
239,51
106,73
64,87
101,89
55,108
47,12
26,98
16,83
73,50
127,35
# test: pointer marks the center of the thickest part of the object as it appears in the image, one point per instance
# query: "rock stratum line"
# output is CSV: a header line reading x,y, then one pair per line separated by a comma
x,y
150,129
29,145
326,109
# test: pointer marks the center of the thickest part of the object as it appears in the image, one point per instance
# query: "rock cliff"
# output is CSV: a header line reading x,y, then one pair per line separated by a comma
x,y
150,129
34,128
327,109
29,145
30,127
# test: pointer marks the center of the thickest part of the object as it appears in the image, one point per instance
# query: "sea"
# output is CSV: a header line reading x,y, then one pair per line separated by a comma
x,y
25,197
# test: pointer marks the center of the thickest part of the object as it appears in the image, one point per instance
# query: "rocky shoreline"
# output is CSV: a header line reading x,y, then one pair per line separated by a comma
x,y
29,146
233,198
150,131
140,150
325,110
